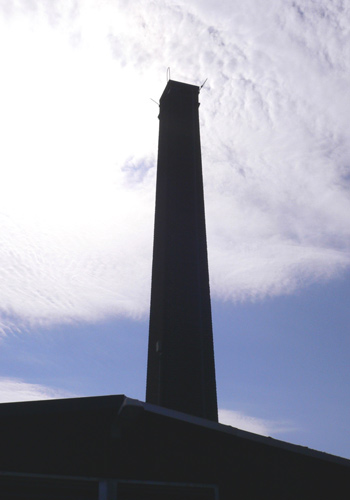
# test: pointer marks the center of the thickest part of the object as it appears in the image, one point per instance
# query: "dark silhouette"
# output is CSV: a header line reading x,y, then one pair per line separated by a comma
x,y
181,372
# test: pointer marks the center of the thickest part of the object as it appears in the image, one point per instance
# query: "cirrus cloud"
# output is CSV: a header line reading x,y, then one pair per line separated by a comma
x,y
79,143
256,425
15,390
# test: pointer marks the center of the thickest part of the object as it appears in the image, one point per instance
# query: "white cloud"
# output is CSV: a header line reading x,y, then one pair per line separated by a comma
x,y
253,424
15,390
79,139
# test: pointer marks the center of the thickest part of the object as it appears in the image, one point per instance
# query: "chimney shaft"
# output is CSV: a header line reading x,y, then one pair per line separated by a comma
x,y
181,370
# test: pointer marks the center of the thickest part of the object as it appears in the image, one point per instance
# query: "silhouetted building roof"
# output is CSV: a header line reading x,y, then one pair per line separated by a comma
x,y
96,444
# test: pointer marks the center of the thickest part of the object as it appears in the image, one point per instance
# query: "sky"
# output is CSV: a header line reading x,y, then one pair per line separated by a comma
x,y
80,82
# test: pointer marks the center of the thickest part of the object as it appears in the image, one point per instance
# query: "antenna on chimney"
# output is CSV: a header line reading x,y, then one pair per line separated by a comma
x,y
205,81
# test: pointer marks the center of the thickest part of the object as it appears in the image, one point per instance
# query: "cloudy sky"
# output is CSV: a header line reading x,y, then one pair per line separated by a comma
x,y
78,132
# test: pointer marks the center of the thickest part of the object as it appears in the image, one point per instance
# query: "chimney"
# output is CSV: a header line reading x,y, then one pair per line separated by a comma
x,y
181,370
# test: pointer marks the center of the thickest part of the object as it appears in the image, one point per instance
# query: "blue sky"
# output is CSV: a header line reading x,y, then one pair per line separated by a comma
x,y
78,173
